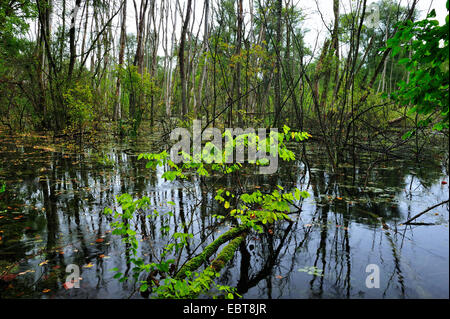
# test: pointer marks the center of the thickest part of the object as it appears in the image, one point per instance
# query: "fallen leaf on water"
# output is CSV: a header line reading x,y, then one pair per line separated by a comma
x,y
99,240
443,182
279,277
43,263
68,285
88,265
45,290
340,198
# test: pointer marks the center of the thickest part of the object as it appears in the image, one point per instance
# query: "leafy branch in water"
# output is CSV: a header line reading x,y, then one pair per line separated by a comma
x,y
248,211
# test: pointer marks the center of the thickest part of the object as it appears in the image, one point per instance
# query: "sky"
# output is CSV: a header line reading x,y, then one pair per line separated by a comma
x,y
315,24
310,8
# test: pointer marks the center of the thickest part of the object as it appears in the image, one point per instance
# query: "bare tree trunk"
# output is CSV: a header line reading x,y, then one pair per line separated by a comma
x,y
73,51
184,107
236,88
117,105
204,50
139,56
277,77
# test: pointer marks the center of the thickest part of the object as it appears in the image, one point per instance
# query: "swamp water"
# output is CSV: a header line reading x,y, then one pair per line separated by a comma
x,y
51,215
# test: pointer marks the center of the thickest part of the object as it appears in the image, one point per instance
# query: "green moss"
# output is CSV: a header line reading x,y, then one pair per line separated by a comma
x,y
227,253
204,256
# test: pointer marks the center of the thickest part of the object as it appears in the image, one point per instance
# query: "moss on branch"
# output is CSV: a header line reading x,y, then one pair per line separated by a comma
x,y
204,256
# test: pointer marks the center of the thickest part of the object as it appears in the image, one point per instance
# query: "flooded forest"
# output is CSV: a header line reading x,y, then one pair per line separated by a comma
x,y
224,149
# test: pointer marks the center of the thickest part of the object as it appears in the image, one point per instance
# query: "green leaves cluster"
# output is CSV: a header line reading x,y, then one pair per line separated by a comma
x,y
250,210
428,87
79,102
256,209
167,286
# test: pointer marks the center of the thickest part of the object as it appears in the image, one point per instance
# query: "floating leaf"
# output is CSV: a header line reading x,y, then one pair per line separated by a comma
x,y
68,285
43,263
45,291
88,265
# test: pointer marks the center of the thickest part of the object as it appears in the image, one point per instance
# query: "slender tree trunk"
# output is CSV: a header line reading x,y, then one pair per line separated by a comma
x,y
117,105
73,51
277,76
184,107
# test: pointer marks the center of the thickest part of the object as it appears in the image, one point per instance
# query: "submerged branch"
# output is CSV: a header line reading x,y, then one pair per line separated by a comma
x,y
204,256
425,211
227,253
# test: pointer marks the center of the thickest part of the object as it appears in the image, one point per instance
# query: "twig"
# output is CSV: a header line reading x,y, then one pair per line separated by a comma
x,y
426,210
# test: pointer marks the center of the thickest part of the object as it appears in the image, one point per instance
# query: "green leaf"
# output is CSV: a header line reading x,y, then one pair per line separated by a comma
x,y
143,287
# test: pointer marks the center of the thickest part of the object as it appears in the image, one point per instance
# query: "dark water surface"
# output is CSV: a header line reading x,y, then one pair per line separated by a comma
x,y
51,215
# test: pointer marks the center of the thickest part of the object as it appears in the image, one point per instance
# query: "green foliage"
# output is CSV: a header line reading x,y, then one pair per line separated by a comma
x,y
167,286
122,227
13,17
312,270
79,102
251,210
428,88
138,92
104,160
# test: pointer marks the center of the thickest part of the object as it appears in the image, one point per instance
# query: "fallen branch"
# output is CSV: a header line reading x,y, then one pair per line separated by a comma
x,y
227,253
204,256
425,211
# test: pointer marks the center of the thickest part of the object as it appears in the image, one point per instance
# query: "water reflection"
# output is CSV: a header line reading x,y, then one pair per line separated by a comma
x,y
53,217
